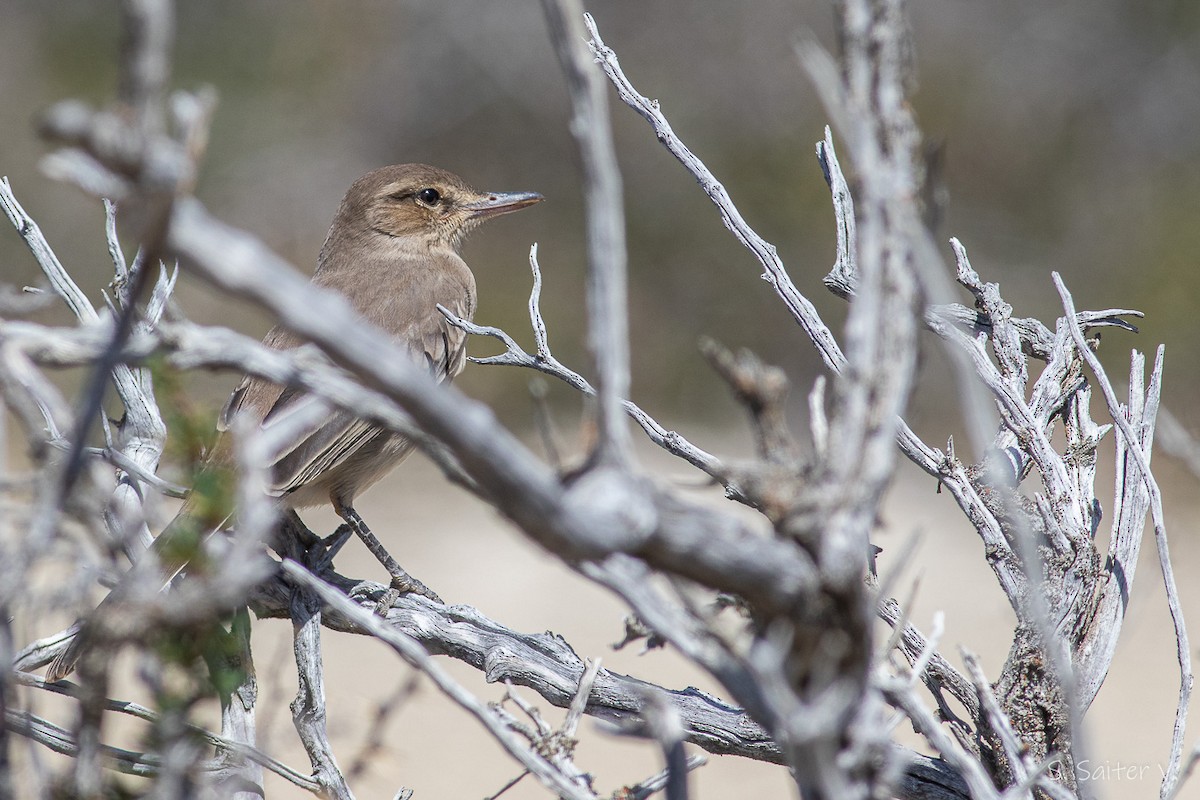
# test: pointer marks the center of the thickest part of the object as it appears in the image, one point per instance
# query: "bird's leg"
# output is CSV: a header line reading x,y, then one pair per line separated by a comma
x,y
402,582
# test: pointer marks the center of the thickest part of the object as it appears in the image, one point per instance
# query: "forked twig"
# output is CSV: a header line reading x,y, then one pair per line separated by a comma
x,y
543,360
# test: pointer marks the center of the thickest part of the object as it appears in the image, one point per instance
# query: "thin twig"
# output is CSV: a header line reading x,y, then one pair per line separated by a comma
x,y
902,695
59,740
655,783
543,360
138,711
508,785
580,701
799,306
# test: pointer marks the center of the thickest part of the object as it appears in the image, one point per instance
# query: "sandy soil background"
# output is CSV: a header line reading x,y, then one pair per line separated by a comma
x,y
471,556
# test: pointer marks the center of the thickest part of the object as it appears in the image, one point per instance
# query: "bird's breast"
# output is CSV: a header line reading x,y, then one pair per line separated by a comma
x,y
399,286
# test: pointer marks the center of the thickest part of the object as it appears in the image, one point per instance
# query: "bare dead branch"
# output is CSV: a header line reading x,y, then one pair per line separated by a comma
x,y
1183,649
415,654
48,734
138,711
60,280
608,325
938,673
776,274
543,360
1026,771
761,390
902,695
308,709
543,663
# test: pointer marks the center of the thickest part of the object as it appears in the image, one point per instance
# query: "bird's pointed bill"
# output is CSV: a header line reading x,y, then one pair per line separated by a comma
x,y
497,203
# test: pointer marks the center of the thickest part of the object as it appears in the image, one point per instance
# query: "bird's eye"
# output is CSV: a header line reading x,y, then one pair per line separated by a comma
x,y
429,197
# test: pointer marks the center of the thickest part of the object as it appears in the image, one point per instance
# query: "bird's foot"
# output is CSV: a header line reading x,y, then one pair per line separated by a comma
x,y
403,583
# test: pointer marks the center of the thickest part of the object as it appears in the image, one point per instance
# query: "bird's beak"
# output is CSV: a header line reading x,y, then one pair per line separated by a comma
x,y
496,203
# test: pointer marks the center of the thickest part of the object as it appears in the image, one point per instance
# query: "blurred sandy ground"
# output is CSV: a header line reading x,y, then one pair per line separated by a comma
x,y
471,556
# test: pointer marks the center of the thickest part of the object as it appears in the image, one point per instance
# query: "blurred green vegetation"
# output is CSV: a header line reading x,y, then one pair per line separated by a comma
x,y
1070,133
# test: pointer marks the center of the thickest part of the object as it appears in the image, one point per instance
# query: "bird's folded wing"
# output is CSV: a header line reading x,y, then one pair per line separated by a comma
x,y
256,396
234,404
324,449
432,341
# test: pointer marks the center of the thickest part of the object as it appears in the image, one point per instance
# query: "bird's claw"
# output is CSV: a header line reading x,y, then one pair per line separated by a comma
x,y
404,584
407,584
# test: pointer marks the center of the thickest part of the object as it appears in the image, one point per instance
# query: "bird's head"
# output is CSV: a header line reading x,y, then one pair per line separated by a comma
x,y
428,205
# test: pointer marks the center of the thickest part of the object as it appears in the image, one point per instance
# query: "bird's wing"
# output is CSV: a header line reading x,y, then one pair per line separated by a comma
x,y
234,404
432,341
255,396
338,438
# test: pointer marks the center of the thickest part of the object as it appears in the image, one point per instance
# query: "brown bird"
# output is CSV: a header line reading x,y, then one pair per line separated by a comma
x,y
392,250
